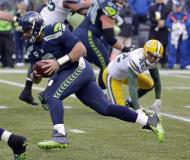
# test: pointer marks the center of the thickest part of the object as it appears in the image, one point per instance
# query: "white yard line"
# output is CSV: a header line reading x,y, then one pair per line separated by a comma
x,y
73,96
79,131
20,85
172,116
188,107
4,107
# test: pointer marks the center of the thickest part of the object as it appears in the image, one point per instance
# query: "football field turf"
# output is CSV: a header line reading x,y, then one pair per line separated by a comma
x,y
92,136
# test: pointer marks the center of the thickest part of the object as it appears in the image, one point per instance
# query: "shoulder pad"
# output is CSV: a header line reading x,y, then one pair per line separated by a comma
x,y
110,9
137,63
59,27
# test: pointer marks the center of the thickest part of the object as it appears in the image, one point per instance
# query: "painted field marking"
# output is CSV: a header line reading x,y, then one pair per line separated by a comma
x,y
20,85
172,116
77,131
73,96
4,107
188,107
68,107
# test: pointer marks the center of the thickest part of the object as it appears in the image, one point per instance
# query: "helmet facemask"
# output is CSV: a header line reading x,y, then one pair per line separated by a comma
x,y
152,59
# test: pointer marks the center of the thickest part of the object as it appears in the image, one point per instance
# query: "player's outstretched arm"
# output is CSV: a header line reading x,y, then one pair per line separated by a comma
x,y
7,16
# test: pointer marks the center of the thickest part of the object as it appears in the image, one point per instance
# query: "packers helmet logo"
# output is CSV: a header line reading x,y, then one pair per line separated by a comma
x,y
111,11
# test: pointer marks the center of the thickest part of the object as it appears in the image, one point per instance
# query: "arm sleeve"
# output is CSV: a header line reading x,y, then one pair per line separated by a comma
x,y
132,80
109,36
157,82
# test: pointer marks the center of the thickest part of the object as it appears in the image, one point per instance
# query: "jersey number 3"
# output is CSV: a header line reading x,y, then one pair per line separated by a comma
x,y
51,5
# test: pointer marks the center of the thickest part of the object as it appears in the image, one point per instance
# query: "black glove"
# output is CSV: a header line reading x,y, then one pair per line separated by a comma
x,y
128,49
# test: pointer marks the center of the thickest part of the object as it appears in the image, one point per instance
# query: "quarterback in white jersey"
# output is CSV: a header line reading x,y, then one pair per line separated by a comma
x,y
57,10
128,68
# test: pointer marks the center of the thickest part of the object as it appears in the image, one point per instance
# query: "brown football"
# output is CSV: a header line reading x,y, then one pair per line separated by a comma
x,y
38,68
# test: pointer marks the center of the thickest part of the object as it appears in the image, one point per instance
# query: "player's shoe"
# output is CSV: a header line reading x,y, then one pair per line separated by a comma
x,y
58,141
154,124
18,145
26,96
42,101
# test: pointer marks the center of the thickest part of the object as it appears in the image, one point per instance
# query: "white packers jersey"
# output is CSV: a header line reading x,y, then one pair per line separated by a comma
x,y
54,11
135,60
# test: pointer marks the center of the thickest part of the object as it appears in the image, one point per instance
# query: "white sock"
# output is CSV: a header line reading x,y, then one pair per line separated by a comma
x,y
60,128
142,119
5,136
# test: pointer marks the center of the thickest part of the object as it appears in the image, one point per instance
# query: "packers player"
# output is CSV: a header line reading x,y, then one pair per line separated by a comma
x,y
128,68
99,23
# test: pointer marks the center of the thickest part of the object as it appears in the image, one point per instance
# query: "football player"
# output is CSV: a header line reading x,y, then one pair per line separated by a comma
x,y
55,11
128,68
16,142
99,22
73,75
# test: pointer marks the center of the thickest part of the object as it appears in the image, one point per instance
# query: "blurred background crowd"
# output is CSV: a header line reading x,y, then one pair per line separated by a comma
x,y
165,20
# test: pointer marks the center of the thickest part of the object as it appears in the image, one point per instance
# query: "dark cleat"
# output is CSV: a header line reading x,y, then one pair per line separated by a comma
x,y
26,96
18,145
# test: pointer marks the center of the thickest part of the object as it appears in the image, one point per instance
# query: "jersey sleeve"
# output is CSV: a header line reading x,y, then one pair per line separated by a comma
x,y
109,9
68,39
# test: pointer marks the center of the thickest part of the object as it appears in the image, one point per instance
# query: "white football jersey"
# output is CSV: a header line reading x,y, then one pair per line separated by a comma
x,y
135,60
54,11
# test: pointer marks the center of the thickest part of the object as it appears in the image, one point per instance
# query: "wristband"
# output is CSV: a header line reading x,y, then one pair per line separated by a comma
x,y
64,60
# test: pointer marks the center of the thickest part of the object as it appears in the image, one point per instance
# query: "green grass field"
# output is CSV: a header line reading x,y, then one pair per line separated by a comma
x,y
104,138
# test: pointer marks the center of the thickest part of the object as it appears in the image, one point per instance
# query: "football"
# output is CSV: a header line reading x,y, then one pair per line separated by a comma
x,y
38,68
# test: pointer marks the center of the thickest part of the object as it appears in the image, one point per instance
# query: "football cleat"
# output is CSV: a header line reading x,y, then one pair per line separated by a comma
x,y
58,141
20,157
42,101
26,96
154,124
18,145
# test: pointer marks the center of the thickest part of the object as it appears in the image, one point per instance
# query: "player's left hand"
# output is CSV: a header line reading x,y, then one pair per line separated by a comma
x,y
52,66
157,105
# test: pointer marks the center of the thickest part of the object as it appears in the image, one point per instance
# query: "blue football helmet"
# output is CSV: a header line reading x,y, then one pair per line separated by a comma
x,y
33,23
